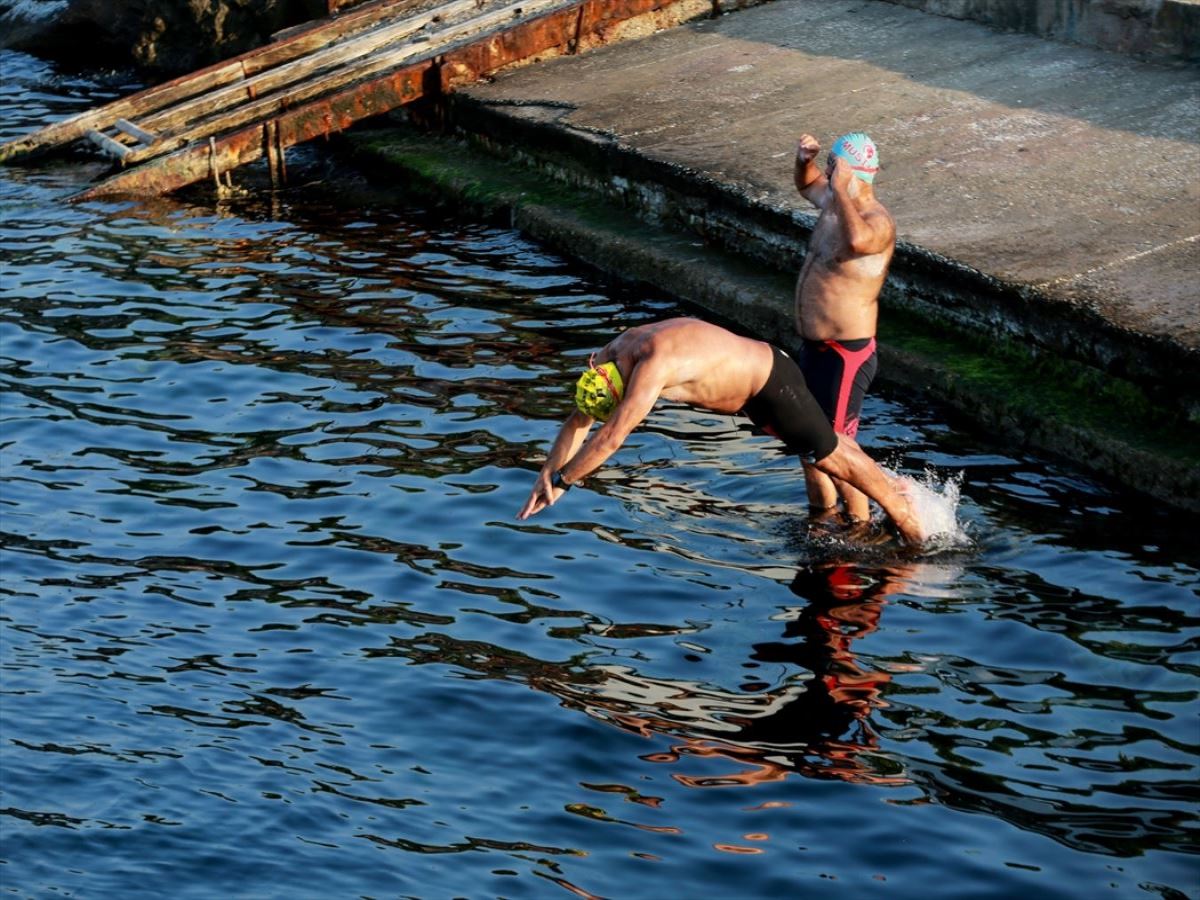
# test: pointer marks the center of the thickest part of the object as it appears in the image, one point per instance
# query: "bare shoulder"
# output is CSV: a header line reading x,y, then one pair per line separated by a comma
x,y
694,341
688,333
635,346
880,213
658,336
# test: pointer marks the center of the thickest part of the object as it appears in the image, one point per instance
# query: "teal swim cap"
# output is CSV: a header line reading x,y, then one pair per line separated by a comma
x,y
860,152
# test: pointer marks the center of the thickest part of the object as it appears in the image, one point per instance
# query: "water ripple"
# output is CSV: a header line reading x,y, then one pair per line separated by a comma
x,y
269,624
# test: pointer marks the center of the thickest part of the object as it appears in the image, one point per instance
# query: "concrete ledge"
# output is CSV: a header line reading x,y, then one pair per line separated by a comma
x,y
1050,321
1104,424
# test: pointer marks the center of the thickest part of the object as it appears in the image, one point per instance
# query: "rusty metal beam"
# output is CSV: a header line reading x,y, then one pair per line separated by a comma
x,y
229,151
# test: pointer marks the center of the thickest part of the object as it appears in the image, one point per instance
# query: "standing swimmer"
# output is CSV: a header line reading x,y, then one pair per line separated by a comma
x,y
704,365
837,294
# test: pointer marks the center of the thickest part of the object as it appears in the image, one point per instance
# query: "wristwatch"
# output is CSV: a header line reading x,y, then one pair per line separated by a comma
x,y
556,480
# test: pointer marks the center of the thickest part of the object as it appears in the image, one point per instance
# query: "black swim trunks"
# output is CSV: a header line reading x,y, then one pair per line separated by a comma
x,y
839,373
786,409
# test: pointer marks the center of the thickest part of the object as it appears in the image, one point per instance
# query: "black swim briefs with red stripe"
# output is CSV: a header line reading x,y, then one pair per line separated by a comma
x,y
839,374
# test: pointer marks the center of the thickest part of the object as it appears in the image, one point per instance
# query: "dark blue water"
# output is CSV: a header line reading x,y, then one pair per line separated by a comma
x,y
270,628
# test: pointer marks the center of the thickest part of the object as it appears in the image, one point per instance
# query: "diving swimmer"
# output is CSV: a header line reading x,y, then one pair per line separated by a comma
x,y
704,365
837,292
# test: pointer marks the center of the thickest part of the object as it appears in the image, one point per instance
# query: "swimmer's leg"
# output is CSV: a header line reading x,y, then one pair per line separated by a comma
x,y
822,493
858,507
848,463
839,373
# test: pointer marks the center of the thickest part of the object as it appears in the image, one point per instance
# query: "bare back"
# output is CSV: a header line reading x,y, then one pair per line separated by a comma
x,y
693,362
837,293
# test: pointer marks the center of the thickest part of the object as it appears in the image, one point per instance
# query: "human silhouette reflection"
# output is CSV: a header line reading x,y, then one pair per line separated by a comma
x,y
815,723
829,722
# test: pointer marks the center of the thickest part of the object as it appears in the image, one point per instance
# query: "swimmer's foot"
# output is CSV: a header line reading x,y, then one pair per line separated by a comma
x,y
823,515
863,531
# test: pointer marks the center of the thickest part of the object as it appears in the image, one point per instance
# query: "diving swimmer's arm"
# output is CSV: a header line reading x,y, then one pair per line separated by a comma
x,y
641,392
570,437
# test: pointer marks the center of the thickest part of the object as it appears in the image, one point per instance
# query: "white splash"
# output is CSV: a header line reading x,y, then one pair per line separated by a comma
x,y
935,502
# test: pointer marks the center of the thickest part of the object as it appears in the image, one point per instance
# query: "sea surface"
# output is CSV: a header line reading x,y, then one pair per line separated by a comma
x,y
269,626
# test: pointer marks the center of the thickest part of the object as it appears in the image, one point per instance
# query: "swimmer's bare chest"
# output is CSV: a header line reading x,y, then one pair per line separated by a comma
x,y
837,291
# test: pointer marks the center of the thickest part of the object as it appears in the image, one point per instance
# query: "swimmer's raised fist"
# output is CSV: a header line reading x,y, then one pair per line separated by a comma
x,y
807,149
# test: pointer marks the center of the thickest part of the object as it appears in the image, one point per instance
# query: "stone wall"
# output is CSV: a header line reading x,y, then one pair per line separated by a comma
x,y
1157,30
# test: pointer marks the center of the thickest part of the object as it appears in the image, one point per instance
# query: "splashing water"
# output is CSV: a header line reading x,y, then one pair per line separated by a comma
x,y
935,502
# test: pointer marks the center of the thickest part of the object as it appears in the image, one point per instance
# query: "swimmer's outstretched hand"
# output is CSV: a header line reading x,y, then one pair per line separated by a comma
x,y
542,495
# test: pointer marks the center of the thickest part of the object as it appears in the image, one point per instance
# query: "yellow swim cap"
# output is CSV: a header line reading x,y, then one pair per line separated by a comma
x,y
599,390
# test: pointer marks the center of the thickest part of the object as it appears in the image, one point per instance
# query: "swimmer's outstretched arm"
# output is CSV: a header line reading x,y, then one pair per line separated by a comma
x,y
849,463
566,445
575,462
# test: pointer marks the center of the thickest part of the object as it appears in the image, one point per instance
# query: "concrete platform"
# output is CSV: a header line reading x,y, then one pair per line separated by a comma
x,y
1067,175
1047,199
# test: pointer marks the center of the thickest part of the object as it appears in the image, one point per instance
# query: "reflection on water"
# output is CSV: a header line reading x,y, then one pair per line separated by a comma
x,y
269,627
814,722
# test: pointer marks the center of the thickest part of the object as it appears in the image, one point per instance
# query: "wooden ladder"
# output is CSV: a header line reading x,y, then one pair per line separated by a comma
x,y
318,79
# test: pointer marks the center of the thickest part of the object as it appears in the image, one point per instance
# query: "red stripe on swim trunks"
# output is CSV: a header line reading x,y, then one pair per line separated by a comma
x,y
852,361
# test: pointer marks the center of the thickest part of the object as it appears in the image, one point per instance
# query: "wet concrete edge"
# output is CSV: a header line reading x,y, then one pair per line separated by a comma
x,y
940,331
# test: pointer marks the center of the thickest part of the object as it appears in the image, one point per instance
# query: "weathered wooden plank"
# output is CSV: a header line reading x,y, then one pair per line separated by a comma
x,y
175,117
558,31
238,68
358,70
201,161
335,11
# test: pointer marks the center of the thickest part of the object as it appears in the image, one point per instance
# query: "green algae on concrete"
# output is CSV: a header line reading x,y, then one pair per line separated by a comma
x,y
1100,422
1104,424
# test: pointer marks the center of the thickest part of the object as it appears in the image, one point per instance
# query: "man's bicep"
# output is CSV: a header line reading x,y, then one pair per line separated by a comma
x,y
630,413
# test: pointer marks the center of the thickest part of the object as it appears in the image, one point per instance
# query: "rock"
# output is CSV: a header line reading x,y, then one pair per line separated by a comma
x,y
165,36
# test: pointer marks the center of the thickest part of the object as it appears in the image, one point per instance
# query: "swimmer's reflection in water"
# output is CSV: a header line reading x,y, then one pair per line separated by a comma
x,y
816,726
